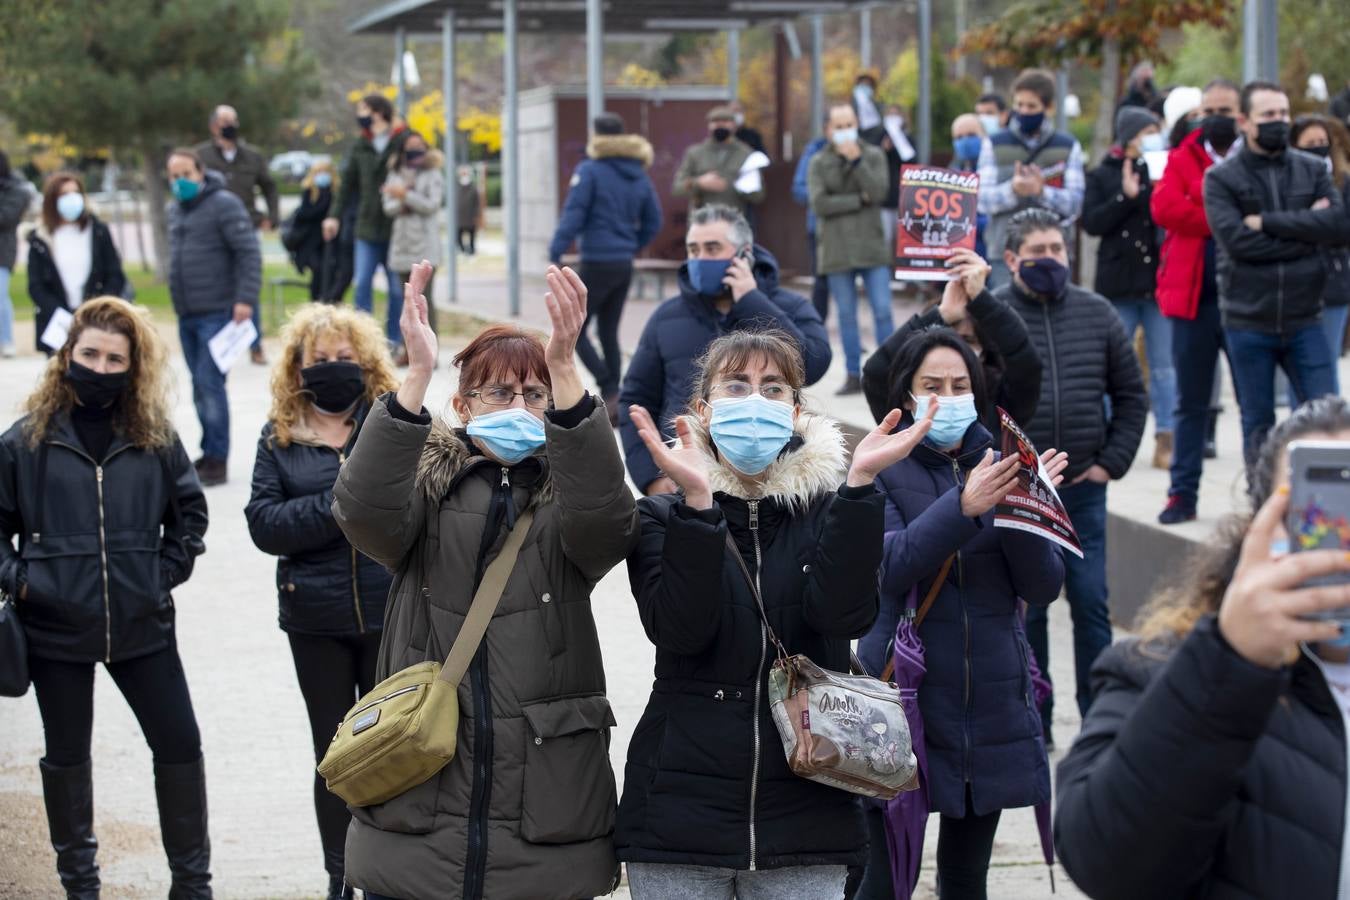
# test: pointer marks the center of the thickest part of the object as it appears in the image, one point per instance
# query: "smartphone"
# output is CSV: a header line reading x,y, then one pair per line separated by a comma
x,y
1319,505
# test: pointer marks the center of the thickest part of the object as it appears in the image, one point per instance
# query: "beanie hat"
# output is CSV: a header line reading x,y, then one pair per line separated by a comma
x,y
1181,101
1131,120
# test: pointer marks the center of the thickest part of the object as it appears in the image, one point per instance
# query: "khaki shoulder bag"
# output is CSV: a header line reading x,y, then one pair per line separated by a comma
x,y
403,732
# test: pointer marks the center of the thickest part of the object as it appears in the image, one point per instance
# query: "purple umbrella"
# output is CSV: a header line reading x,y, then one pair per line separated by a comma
x,y
907,815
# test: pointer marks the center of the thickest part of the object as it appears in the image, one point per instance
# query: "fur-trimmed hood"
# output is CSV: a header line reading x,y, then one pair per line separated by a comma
x,y
623,146
813,464
448,453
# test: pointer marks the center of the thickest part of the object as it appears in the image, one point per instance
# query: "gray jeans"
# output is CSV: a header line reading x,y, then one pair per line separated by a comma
x,y
654,881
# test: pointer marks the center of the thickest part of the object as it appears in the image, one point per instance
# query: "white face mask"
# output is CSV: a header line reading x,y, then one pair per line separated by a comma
x,y
1152,143
843,136
991,123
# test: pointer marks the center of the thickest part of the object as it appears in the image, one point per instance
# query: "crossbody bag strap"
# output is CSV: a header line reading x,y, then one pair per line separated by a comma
x,y
485,601
927,604
754,591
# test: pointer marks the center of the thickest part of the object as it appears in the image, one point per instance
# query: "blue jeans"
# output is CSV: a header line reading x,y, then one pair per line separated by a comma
x,y
208,382
1196,345
369,256
1305,358
1085,587
1162,393
6,311
1333,325
843,285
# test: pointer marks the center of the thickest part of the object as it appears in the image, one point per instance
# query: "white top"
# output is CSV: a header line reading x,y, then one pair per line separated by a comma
x,y
229,154
73,252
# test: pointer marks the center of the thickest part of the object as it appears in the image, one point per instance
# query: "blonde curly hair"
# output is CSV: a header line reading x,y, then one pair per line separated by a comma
x,y
143,415
305,328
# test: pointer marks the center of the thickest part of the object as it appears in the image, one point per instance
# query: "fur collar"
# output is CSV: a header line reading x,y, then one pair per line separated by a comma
x,y
630,146
796,478
446,455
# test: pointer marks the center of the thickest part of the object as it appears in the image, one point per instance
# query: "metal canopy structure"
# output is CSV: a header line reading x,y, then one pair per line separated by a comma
x,y
594,18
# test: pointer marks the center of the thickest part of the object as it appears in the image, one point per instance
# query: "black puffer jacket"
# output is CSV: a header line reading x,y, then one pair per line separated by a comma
x,y
324,586
1127,259
214,258
707,782
100,545
47,291
1335,258
1272,280
1012,367
1198,774
1086,356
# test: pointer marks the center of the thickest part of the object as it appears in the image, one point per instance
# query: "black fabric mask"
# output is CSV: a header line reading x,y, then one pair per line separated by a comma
x,y
1272,137
1322,150
229,132
96,389
335,386
721,134
413,157
1220,131
365,122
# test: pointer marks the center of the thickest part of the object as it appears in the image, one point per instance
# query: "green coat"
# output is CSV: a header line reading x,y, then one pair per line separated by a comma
x,y
362,176
414,498
725,158
846,198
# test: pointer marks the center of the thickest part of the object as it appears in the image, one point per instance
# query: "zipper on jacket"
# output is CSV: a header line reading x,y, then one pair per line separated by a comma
x,y
1054,372
102,542
965,630
1279,266
759,683
356,581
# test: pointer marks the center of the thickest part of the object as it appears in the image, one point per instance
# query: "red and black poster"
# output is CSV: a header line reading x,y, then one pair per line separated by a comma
x,y
937,217
1034,505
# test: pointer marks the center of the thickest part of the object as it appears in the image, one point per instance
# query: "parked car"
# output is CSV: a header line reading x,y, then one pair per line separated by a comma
x,y
294,164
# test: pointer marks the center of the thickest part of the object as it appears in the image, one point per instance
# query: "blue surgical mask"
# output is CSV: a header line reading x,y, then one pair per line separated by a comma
x,y
1030,123
510,435
706,275
70,206
323,180
1152,143
845,136
750,433
954,416
991,122
968,147
186,190
1044,276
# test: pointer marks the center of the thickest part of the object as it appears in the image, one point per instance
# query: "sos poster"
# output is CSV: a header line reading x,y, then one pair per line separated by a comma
x,y
936,217
1034,505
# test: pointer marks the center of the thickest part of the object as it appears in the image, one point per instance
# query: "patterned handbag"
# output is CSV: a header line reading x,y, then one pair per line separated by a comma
x,y
848,731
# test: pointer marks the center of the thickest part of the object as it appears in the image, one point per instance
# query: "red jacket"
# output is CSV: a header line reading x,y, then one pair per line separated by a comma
x,y
1178,206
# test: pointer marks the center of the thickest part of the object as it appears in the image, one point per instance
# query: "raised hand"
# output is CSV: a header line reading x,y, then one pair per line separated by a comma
x,y
1055,462
418,338
880,449
566,302
1263,610
988,483
685,465
1129,180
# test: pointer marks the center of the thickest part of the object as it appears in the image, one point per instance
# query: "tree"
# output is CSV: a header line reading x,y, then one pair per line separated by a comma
x,y
144,75
1105,34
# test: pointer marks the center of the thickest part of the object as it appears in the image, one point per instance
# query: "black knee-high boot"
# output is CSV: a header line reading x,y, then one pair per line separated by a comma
x,y
180,789
68,792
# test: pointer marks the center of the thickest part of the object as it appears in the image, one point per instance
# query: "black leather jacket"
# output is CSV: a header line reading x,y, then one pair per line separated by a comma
x,y
101,543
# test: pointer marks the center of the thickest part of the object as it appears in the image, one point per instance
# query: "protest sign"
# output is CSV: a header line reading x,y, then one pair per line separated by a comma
x,y
1034,505
937,218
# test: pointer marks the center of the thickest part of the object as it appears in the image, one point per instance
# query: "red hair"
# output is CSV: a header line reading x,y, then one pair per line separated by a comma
x,y
502,354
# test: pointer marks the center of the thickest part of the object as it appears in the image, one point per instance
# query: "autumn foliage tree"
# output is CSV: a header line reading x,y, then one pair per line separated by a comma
x,y
1105,34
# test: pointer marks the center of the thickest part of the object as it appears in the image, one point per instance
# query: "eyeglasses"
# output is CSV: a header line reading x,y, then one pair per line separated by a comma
x,y
740,390
500,395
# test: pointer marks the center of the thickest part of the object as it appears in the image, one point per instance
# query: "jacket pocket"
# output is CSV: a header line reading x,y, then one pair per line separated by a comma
x,y
412,812
568,791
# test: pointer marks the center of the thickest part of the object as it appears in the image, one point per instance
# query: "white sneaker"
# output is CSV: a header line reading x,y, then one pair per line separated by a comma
x,y
7,351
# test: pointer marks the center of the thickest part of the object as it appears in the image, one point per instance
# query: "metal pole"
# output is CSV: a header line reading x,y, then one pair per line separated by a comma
x,y
960,23
1270,41
452,223
1251,43
400,77
511,154
865,37
817,71
925,147
1061,91
734,63
595,59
